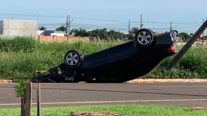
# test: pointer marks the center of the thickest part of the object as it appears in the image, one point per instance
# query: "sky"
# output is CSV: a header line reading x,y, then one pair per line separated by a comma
x,y
185,15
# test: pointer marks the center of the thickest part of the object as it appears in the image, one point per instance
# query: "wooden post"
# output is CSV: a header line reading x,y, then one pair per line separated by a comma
x,y
38,100
28,100
22,106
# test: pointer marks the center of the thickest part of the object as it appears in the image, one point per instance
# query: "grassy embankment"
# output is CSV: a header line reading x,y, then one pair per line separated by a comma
x,y
22,57
121,110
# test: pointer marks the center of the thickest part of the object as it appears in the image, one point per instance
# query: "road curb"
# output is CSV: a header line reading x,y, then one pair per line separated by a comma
x,y
168,81
5,81
146,81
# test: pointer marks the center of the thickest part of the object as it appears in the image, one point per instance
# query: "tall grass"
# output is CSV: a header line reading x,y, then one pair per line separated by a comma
x,y
192,65
22,57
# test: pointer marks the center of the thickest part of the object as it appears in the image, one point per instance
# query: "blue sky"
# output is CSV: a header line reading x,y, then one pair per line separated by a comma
x,y
110,13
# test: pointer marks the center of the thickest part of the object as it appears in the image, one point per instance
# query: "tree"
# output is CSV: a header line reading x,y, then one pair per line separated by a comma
x,y
102,34
42,28
83,33
115,35
184,36
74,32
99,33
133,32
61,28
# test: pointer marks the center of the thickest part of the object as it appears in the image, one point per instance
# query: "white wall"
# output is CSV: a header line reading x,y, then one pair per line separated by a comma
x,y
13,28
58,33
40,32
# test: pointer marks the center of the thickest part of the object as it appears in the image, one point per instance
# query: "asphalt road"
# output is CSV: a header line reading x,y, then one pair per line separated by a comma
x,y
177,94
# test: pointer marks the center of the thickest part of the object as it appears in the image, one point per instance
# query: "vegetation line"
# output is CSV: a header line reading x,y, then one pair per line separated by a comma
x,y
23,57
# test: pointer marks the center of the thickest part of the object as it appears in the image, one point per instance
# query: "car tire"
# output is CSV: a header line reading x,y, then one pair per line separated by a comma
x,y
144,37
72,59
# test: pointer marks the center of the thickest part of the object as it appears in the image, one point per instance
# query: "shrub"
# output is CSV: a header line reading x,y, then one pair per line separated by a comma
x,y
24,44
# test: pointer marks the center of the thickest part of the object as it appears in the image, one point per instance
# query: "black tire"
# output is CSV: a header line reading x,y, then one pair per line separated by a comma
x,y
72,59
144,38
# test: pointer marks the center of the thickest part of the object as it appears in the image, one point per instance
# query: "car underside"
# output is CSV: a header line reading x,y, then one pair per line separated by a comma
x,y
120,63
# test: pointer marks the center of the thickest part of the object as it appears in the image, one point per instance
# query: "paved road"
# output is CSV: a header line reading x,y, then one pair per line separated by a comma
x,y
179,94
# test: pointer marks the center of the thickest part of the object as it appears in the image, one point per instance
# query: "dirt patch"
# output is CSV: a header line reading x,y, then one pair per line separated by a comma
x,y
92,114
199,108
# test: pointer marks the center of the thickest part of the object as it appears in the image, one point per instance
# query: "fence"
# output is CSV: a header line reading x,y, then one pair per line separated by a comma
x,y
59,39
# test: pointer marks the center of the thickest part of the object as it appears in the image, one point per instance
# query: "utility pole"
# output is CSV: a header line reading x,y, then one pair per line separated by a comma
x,y
66,27
67,31
203,34
203,31
69,25
171,26
141,24
129,26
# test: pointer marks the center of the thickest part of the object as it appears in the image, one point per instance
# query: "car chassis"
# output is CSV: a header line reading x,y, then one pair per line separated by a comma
x,y
120,63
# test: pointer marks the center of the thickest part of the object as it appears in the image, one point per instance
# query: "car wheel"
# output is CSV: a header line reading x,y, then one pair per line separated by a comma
x,y
72,59
144,37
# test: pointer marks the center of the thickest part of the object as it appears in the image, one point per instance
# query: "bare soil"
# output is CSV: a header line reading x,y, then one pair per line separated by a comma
x,y
92,114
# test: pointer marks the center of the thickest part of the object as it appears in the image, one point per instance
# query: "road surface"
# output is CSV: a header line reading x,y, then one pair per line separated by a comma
x,y
177,94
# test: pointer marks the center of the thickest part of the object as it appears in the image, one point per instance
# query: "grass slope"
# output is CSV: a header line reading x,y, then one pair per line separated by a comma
x,y
22,57
122,110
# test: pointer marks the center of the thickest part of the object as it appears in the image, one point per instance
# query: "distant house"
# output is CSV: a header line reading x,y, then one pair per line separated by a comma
x,y
58,33
205,37
51,33
12,28
48,32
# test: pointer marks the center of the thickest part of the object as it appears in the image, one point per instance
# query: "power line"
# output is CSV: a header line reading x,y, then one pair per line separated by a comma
x,y
98,19
29,15
109,23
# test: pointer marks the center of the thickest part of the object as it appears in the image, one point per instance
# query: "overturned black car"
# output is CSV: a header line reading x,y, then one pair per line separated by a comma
x,y
120,63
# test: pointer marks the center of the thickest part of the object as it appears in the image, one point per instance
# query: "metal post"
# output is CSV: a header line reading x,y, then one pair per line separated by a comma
x,y
141,25
203,31
69,23
129,27
171,26
66,30
187,46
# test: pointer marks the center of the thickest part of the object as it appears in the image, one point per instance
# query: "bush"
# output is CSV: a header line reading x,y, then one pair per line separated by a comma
x,y
184,36
102,34
24,44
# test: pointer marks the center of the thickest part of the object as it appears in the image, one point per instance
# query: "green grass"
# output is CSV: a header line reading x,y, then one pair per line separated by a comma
x,y
192,65
25,61
121,110
22,57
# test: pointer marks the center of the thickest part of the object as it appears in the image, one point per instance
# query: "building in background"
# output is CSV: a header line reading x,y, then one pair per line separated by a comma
x,y
51,33
12,28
